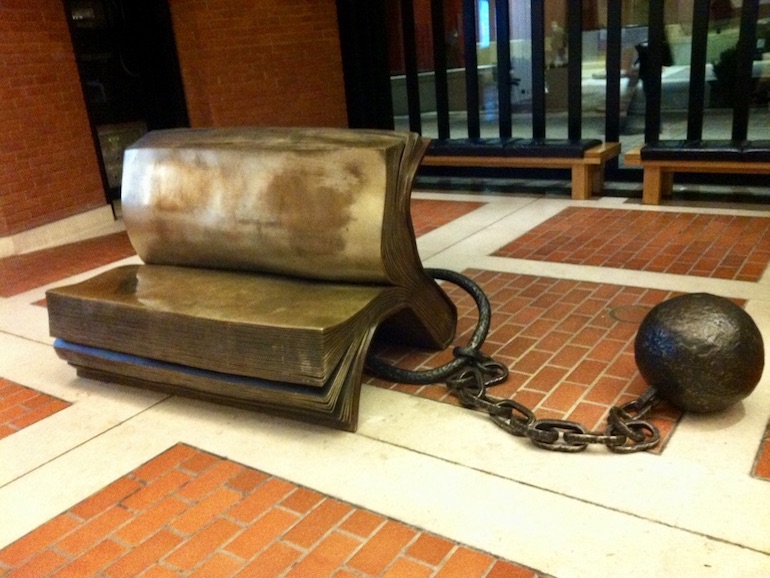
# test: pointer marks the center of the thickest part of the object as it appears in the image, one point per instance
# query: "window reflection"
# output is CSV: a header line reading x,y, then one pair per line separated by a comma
x,y
719,88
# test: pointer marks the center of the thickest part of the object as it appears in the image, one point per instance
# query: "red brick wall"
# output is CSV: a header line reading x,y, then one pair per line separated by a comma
x,y
260,62
48,165
243,62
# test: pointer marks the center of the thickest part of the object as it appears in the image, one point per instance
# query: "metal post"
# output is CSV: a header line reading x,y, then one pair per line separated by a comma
x,y
410,65
503,28
538,69
440,67
471,69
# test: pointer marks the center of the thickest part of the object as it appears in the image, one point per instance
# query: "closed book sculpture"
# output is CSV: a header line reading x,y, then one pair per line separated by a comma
x,y
271,258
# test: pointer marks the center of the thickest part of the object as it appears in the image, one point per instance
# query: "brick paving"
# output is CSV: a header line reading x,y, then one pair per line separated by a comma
x,y
705,245
568,345
762,463
428,214
22,406
190,513
20,273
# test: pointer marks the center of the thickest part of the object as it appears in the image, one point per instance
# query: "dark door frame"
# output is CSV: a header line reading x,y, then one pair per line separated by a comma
x,y
128,66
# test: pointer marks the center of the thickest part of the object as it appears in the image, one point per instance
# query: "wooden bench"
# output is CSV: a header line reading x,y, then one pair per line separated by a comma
x,y
271,258
585,159
663,159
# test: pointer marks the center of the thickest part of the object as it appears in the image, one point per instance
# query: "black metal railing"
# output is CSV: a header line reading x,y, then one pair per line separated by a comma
x,y
536,120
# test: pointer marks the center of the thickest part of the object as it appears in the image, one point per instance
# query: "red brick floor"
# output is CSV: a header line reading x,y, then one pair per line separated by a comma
x,y
568,345
21,273
721,246
191,513
21,407
428,214
762,463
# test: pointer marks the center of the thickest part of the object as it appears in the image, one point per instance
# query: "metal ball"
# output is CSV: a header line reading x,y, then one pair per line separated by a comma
x,y
701,352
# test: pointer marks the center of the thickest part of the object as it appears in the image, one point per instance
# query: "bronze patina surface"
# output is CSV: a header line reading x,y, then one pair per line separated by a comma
x,y
701,352
271,258
290,201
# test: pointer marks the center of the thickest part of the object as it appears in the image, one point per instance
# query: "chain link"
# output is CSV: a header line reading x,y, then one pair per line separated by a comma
x,y
626,432
471,372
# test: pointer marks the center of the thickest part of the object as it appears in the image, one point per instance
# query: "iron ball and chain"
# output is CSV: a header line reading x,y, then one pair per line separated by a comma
x,y
698,351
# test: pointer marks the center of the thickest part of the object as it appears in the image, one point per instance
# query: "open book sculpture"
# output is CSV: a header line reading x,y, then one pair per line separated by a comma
x,y
271,259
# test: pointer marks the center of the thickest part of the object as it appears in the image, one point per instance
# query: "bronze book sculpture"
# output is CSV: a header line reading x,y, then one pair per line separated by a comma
x,y
271,259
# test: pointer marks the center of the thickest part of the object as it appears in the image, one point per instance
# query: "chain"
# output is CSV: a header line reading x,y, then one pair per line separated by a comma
x,y
626,432
471,372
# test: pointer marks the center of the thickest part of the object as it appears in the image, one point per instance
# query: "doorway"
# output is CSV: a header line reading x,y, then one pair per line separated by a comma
x,y
129,70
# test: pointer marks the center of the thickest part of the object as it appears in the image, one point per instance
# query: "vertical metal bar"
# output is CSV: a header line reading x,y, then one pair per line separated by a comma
x,y
574,69
614,45
697,90
538,69
503,28
364,45
439,67
410,66
651,80
471,68
747,37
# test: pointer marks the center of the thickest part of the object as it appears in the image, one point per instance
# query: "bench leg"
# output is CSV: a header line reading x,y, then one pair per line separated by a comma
x,y
582,181
667,183
597,178
657,183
